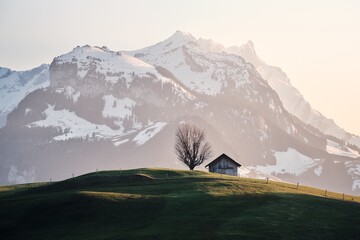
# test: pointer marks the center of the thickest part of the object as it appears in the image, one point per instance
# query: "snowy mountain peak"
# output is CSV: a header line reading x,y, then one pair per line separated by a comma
x,y
180,35
178,39
175,41
250,46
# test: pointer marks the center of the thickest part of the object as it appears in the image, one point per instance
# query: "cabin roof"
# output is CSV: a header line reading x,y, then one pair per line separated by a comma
x,y
223,156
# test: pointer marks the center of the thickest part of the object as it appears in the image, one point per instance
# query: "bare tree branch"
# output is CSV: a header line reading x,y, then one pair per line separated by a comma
x,y
191,146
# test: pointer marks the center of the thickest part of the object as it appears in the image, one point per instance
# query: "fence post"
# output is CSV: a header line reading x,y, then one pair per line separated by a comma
x,y
267,180
50,179
97,172
73,175
325,192
343,196
297,186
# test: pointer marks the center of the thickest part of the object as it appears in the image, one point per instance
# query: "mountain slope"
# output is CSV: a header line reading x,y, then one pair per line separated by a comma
x,y
15,85
169,204
125,87
292,99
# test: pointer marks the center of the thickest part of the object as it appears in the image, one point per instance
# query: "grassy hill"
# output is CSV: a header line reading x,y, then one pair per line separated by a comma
x,y
169,204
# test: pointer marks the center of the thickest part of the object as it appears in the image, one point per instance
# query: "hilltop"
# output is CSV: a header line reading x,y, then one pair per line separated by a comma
x,y
172,204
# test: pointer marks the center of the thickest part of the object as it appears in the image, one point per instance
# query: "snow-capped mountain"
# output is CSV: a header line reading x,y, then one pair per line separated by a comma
x,y
201,71
15,85
97,99
292,99
107,109
125,87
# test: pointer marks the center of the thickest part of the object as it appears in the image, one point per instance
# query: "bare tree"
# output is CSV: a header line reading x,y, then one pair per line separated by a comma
x,y
191,146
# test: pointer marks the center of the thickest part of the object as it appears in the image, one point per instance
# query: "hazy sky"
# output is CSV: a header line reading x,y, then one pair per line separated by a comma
x,y
317,43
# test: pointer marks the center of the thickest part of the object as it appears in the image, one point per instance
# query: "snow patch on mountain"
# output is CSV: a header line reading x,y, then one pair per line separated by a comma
x,y
337,149
318,170
69,92
119,142
72,126
148,133
290,162
249,172
27,111
200,105
117,107
353,169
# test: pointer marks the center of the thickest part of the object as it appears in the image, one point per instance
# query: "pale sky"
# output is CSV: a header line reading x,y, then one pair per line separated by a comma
x,y
317,43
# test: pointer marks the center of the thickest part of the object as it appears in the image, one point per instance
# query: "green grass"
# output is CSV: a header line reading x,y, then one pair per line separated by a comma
x,y
170,204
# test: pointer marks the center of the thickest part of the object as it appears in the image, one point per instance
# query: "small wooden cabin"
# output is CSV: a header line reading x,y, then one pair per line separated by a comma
x,y
224,165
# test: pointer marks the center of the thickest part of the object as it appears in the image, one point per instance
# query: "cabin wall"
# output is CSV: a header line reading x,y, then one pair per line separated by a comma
x,y
224,166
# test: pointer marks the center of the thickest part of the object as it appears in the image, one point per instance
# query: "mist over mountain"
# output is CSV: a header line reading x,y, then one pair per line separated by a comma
x,y
97,108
